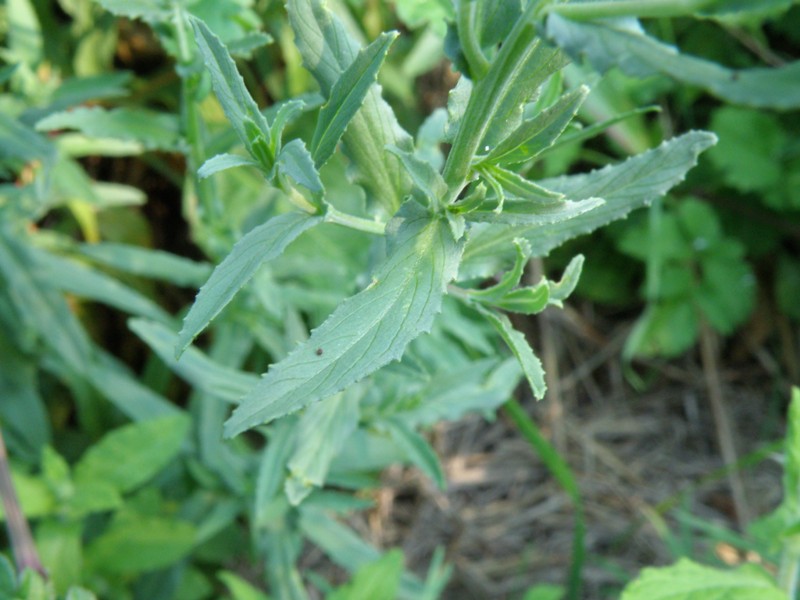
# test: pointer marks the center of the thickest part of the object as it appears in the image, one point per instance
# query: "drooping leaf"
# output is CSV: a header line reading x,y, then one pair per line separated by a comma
x,y
623,43
687,580
155,264
367,331
261,244
624,187
516,342
328,50
560,291
346,97
153,130
130,455
196,368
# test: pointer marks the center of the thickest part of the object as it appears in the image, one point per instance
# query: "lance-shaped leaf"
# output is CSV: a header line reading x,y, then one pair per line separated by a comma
x,y
538,133
624,187
425,177
623,43
328,50
366,331
295,162
223,162
240,108
346,97
527,214
261,244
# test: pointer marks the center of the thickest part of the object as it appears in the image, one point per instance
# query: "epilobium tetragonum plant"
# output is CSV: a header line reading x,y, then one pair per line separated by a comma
x,y
477,216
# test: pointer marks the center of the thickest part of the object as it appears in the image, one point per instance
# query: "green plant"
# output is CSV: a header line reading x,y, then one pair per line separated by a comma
x,y
323,281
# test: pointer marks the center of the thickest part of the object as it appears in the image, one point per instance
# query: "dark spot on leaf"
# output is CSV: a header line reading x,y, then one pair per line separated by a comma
x,y
319,352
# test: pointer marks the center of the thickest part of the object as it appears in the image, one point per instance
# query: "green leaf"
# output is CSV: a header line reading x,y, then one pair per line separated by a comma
x,y
510,279
623,43
545,592
516,186
417,449
295,161
222,162
148,10
144,262
624,187
136,543
366,331
347,549
77,593
239,106
239,588
203,373
687,580
751,145
425,177
261,244
380,579
537,134
666,328
72,277
526,301
130,455
569,280
322,431
523,213
346,97
328,50
153,130
59,546
516,342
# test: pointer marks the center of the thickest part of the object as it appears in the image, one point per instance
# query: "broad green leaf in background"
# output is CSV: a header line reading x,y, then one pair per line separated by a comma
x,y
261,244
623,43
347,96
59,546
135,543
624,187
328,50
366,331
153,130
129,456
686,580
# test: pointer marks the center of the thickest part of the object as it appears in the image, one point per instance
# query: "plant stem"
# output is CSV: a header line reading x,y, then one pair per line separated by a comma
x,y
358,223
25,555
585,11
562,473
477,62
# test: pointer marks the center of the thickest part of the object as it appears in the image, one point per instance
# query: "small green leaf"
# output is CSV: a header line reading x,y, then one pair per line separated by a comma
x,y
130,455
78,593
425,177
687,580
516,342
561,291
295,161
222,162
537,134
346,97
522,213
510,279
59,546
417,449
366,331
525,301
261,244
